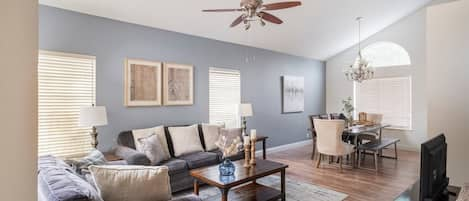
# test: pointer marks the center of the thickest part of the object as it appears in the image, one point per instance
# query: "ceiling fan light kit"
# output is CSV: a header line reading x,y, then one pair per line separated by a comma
x,y
254,11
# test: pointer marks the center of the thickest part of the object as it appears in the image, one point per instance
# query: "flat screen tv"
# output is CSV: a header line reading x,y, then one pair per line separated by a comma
x,y
433,180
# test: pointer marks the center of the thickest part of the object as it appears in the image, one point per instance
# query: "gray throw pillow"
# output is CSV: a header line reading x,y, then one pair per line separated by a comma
x,y
80,166
153,149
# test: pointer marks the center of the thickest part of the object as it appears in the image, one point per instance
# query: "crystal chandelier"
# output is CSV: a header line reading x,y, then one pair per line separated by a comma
x,y
361,69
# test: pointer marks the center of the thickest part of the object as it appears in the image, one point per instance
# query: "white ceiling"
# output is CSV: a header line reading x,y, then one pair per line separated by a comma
x,y
319,29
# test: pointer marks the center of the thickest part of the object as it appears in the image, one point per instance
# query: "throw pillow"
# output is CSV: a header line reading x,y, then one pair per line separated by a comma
x,y
132,183
211,134
186,140
153,149
158,131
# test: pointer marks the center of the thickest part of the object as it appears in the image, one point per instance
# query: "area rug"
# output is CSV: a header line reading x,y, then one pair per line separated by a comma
x,y
296,191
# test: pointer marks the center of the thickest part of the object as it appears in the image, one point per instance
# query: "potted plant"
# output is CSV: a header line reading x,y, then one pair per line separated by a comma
x,y
348,110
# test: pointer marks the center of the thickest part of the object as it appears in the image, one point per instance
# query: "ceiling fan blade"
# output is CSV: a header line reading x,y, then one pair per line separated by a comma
x,y
222,10
281,5
238,21
269,17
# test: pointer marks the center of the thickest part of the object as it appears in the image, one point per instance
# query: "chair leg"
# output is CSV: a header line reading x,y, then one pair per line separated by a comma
x,y
395,150
359,159
314,149
353,159
340,158
376,161
319,160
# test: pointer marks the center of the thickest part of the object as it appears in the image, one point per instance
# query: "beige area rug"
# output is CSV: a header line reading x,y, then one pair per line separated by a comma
x,y
296,191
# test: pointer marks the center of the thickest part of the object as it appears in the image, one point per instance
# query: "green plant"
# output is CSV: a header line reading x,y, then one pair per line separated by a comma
x,y
348,107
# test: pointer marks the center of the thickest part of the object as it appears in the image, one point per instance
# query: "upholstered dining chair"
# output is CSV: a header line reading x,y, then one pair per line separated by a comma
x,y
371,136
329,140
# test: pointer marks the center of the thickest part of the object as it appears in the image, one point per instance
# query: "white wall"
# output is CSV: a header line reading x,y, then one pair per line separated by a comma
x,y
18,53
410,34
448,82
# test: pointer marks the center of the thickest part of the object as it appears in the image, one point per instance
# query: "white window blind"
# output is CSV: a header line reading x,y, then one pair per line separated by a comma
x,y
66,82
388,96
224,97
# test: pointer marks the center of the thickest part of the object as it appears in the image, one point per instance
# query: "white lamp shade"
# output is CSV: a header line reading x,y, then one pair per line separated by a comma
x,y
93,116
245,110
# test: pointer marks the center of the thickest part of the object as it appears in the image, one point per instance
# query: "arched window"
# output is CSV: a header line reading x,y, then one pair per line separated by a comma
x,y
385,54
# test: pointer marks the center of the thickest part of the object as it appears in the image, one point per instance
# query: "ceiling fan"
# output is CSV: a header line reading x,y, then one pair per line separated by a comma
x,y
254,10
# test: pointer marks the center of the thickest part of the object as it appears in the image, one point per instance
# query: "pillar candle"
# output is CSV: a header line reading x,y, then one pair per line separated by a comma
x,y
253,134
246,140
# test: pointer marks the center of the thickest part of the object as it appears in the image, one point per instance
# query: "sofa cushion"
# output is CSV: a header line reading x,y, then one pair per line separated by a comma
x,y
211,134
153,149
200,159
158,131
185,140
132,183
175,166
60,183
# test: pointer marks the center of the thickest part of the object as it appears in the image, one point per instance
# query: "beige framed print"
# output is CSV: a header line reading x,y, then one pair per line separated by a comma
x,y
178,84
142,83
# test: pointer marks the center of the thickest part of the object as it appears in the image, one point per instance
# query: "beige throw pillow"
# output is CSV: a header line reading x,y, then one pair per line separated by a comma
x,y
153,149
132,183
211,134
186,140
158,131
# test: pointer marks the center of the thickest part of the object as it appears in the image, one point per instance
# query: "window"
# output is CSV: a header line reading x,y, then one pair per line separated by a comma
x,y
224,96
66,82
388,96
386,54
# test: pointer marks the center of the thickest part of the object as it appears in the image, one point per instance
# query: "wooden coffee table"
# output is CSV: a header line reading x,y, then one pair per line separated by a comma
x,y
243,184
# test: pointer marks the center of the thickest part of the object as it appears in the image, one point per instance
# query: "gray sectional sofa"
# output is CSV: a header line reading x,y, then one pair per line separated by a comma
x,y
179,167
58,181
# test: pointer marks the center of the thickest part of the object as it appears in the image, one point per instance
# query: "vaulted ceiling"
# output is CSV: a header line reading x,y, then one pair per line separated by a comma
x,y
319,29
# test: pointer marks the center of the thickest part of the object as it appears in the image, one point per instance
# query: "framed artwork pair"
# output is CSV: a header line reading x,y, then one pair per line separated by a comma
x,y
150,83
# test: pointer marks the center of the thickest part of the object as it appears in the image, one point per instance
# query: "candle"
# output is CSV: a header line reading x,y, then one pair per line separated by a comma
x,y
253,134
246,140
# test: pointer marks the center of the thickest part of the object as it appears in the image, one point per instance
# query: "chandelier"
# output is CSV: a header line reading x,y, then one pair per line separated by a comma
x,y
361,69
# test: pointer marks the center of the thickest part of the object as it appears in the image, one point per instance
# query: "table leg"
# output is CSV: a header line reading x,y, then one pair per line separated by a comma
x,y
224,194
355,142
380,152
282,173
264,154
196,187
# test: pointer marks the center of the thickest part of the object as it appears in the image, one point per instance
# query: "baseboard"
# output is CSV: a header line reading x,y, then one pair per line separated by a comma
x,y
309,141
284,147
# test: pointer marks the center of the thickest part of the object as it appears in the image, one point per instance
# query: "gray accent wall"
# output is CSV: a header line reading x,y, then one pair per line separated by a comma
x,y
113,41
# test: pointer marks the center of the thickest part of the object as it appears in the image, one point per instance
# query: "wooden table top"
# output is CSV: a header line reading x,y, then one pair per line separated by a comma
x,y
210,175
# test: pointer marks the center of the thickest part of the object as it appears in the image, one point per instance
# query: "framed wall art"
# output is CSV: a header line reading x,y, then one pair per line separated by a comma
x,y
142,83
178,84
293,98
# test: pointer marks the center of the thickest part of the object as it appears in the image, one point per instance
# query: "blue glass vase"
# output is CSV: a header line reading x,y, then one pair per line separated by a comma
x,y
227,168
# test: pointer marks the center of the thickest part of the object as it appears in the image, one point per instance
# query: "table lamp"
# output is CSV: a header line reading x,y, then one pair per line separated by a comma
x,y
91,117
245,110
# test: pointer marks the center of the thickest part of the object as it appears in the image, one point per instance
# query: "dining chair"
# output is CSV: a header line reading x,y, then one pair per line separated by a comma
x,y
329,140
313,132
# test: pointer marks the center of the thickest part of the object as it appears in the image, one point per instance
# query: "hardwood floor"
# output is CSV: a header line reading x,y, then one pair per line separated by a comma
x,y
361,185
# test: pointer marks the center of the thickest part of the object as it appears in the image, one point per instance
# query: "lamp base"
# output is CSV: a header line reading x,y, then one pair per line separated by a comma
x,y
94,137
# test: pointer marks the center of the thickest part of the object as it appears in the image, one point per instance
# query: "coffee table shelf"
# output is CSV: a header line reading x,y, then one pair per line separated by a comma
x,y
252,192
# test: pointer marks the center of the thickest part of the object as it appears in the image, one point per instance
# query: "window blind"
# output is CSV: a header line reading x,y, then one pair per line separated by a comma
x,y
224,97
388,96
66,82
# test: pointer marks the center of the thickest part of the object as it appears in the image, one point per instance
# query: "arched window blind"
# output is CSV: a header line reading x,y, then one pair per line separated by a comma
x,y
66,82
224,96
386,54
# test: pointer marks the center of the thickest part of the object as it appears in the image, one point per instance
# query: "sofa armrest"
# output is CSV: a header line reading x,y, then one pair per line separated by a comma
x,y
132,156
188,198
